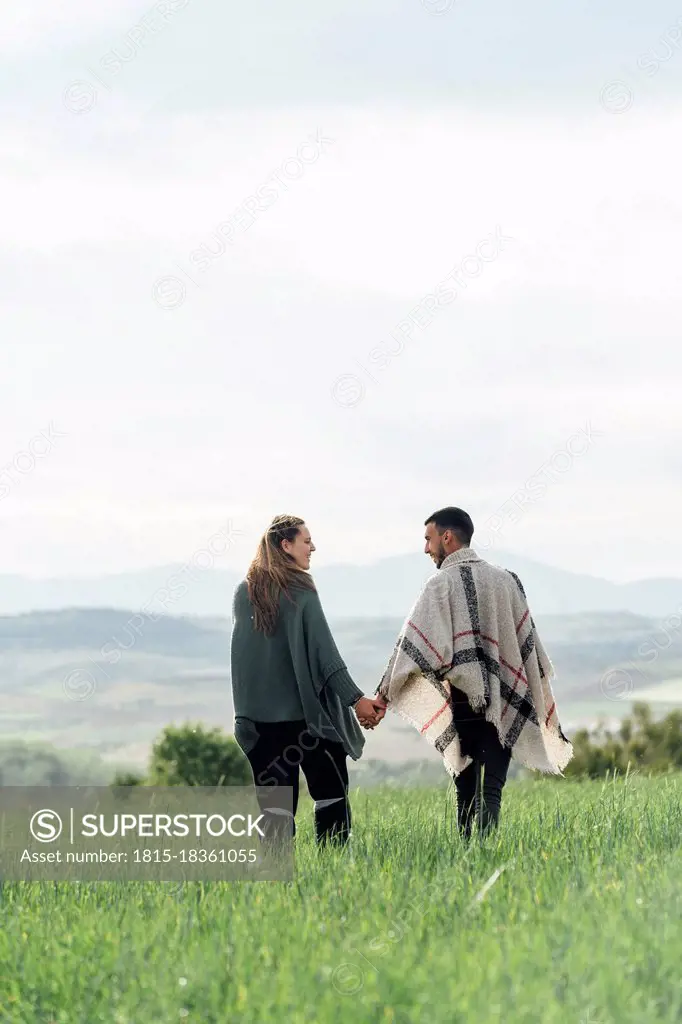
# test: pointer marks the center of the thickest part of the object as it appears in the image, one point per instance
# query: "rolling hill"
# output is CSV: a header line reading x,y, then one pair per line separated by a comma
x,y
107,680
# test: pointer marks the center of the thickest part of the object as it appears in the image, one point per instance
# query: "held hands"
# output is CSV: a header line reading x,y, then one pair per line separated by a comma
x,y
370,711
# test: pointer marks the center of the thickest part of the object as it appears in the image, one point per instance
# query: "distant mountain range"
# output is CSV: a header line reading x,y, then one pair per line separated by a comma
x,y
386,588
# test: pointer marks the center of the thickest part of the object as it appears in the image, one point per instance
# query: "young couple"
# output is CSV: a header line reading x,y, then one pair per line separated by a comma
x,y
467,670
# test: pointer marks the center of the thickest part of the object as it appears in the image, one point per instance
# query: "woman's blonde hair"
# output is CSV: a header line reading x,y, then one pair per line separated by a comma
x,y
273,572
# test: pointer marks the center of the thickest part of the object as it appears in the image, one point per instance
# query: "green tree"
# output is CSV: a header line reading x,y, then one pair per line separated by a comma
x,y
127,778
641,742
190,755
38,764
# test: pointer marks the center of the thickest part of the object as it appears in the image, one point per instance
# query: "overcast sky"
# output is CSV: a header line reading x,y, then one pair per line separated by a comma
x,y
314,356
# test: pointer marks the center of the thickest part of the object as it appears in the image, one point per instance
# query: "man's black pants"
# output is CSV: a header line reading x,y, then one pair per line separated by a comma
x,y
281,749
478,798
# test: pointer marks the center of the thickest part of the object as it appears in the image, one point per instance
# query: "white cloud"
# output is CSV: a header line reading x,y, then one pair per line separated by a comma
x,y
395,203
225,403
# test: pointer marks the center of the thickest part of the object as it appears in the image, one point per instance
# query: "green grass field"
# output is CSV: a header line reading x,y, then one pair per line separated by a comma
x,y
405,925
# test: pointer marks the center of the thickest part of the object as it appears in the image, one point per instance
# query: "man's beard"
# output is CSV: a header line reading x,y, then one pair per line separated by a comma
x,y
441,556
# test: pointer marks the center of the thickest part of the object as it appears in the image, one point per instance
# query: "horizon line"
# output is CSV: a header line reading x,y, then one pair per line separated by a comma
x,y
176,566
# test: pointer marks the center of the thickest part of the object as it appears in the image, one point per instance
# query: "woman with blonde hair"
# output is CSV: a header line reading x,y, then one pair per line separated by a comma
x,y
293,696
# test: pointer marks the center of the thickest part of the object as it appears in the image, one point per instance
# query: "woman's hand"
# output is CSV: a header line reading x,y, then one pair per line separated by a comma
x,y
370,711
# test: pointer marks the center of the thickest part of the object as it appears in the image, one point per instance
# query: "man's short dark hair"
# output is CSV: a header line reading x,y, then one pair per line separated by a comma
x,y
454,519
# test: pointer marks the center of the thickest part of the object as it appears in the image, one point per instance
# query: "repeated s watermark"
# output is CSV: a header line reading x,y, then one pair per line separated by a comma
x,y
293,755
81,95
349,977
618,95
349,389
170,291
25,461
536,485
617,683
438,7
81,683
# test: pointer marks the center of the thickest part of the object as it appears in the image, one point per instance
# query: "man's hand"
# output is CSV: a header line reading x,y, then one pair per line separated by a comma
x,y
370,711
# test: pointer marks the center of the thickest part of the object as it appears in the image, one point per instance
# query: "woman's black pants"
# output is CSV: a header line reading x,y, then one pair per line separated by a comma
x,y
479,787
283,748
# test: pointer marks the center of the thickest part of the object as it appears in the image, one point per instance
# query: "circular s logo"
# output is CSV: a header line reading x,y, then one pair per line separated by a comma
x,y
46,826
348,979
348,390
616,684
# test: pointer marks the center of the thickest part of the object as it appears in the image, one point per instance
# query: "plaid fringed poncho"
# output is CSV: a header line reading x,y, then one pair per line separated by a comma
x,y
471,624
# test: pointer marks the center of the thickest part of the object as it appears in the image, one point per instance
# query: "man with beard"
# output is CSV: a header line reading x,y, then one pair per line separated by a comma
x,y
469,672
